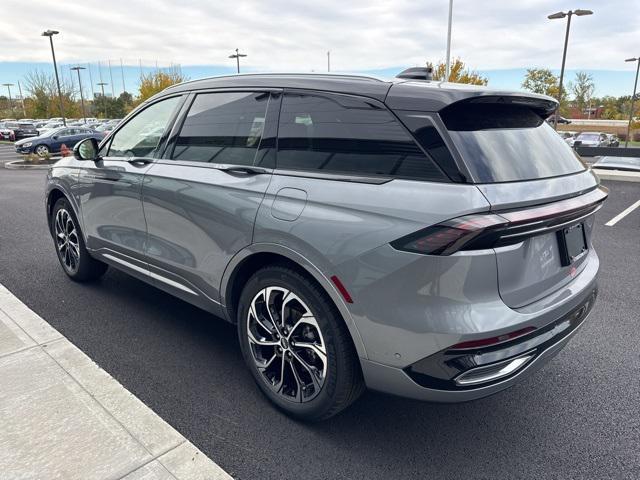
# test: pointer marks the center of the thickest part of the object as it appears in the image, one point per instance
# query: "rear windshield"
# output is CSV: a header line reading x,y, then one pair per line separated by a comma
x,y
506,143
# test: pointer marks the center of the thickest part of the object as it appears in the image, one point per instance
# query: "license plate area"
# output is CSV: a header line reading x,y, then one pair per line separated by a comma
x,y
573,243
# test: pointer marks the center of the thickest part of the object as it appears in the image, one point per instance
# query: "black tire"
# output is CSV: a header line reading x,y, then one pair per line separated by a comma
x,y
342,382
74,258
45,150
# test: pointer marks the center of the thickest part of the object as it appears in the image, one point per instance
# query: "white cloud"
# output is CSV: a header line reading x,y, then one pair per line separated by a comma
x,y
295,35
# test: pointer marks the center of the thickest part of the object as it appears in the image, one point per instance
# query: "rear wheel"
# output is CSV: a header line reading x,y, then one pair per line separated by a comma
x,y
72,253
296,345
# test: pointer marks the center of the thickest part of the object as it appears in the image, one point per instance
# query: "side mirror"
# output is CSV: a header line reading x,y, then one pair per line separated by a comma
x,y
86,149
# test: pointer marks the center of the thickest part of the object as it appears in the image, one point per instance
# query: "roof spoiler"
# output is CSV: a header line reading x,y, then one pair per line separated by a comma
x,y
542,106
417,73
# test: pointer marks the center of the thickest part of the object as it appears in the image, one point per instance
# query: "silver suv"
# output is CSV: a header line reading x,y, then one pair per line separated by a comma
x,y
425,239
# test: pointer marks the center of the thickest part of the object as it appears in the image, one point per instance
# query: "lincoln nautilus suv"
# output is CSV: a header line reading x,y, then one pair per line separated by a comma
x,y
425,239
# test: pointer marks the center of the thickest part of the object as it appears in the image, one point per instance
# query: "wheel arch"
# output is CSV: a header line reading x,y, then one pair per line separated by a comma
x,y
256,256
54,193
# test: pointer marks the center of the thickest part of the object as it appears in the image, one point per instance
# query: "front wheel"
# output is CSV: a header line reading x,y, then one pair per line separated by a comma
x,y
72,253
41,150
296,345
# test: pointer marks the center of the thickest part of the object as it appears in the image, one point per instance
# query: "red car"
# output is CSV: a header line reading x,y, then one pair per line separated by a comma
x,y
6,133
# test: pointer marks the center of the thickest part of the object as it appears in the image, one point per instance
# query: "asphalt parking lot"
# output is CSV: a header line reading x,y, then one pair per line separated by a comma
x,y
7,153
578,417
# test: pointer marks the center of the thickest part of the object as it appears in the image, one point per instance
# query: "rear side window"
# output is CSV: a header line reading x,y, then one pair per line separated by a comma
x,y
223,127
342,134
506,143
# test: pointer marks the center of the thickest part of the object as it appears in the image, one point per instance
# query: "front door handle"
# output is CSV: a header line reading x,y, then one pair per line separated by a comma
x,y
139,161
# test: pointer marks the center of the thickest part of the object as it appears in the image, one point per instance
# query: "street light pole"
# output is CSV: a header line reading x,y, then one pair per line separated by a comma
x,y
24,110
102,84
237,56
555,16
328,60
9,85
50,34
633,98
447,69
84,113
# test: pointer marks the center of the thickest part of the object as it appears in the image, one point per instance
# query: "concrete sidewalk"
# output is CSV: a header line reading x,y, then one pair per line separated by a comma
x,y
63,417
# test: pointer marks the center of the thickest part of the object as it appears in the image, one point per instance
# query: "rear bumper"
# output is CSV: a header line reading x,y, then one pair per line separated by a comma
x,y
419,382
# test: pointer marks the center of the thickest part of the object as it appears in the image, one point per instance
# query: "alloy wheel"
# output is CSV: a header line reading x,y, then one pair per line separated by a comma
x,y
67,240
286,344
41,150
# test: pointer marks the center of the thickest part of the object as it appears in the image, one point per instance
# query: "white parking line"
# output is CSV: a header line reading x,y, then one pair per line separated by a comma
x,y
622,214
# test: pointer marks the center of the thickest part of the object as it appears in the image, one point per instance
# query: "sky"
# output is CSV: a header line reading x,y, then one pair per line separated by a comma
x,y
499,38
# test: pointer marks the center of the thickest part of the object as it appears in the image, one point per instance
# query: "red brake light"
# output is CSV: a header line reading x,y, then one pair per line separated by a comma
x,y
486,342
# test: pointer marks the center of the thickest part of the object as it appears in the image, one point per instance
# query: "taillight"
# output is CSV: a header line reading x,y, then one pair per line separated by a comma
x,y
450,236
481,231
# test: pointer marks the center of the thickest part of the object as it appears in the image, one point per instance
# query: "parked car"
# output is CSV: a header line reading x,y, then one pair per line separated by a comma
x,y
52,140
629,164
613,140
6,133
591,139
561,119
416,238
21,129
49,126
567,136
107,127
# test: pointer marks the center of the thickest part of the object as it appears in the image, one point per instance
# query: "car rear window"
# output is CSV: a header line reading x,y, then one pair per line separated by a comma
x,y
344,134
506,143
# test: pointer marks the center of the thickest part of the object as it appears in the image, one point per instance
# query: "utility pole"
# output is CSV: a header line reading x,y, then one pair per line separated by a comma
x,y
91,81
124,88
104,100
9,85
113,88
237,56
84,112
447,69
24,110
633,98
50,34
328,60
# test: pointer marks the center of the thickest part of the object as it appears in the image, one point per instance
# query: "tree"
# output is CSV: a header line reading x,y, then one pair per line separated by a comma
x,y
155,82
112,107
542,81
459,73
582,89
43,92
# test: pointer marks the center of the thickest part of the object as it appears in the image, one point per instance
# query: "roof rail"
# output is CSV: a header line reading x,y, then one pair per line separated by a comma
x,y
325,75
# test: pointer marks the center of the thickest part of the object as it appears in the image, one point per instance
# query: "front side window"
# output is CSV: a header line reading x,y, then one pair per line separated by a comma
x,y
343,134
223,128
140,136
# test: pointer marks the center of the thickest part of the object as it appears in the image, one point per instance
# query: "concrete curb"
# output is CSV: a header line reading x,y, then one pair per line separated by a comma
x,y
65,417
13,165
618,175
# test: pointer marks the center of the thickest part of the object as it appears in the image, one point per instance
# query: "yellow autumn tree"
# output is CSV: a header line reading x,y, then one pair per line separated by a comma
x,y
459,73
155,82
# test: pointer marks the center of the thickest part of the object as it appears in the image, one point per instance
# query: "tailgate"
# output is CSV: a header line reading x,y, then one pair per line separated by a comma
x,y
540,252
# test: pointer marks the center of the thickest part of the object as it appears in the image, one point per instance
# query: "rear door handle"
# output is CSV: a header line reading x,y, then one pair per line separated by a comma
x,y
246,171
